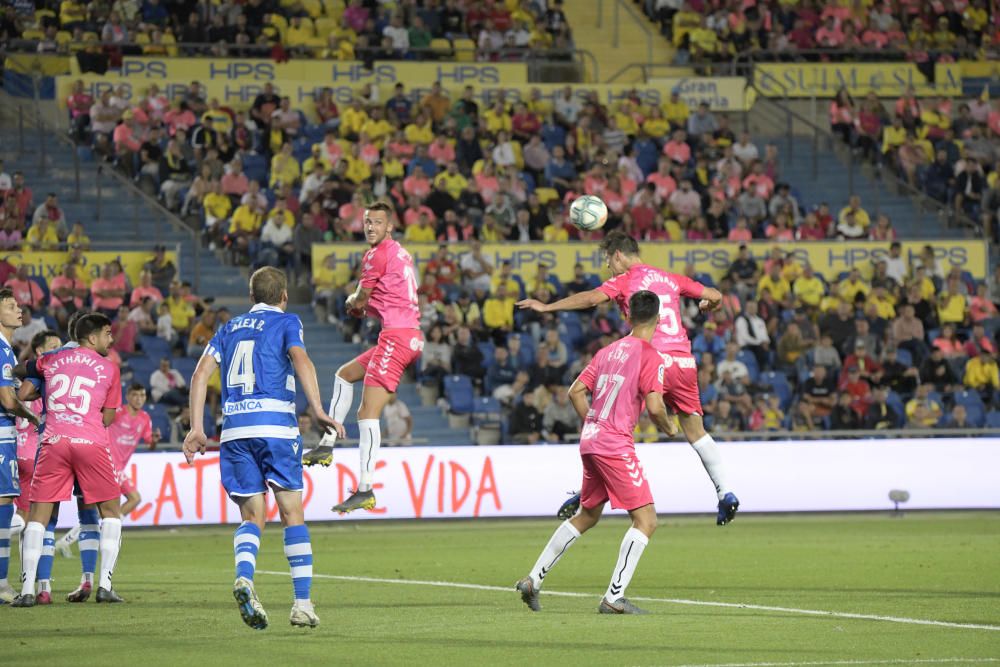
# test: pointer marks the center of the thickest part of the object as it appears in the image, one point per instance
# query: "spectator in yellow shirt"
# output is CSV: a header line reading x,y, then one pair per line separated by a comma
x,y
421,232
420,131
498,310
676,110
951,306
358,171
809,288
352,120
774,283
284,167
281,212
497,119
377,127
981,374
503,278
555,232
850,288
78,237
181,310
42,236
317,156
451,180
893,136
860,214
217,208
884,302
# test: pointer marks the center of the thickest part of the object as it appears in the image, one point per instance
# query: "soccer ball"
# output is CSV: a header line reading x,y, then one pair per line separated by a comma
x,y
588,213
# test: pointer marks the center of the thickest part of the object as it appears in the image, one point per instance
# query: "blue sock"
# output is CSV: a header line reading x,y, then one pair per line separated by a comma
x,y
246,542
48,551
6,514
298,551
90,542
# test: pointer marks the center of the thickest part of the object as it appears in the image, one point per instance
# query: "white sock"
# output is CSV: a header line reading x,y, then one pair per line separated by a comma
x,y
370,431
31,551
708,450
111,542
16,525
628,557
340,402
561,540
72,536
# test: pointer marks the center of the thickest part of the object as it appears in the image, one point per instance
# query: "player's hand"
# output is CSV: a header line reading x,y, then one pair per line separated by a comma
x,y
531,304
671,426
195,442
328,423
707,305
351,309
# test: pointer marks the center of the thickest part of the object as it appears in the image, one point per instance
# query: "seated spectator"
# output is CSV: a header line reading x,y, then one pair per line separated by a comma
x,y
51,211
168,385
981,374
175,175
145,289
276,239
525,424
180,309
107,293
42,236
844,417
30,326
899,377
498,313
922,411
752,334
466,357
559,419
767,414
958,418
78,237
125,332
26,291
201,334
937,373
66,294
142,315
880,414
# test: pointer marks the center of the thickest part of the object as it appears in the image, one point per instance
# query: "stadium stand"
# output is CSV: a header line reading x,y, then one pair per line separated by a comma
x,y
904,341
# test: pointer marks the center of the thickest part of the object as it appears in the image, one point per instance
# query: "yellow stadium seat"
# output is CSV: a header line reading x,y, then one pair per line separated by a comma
x,y
334,8
545,195
141,38
64,37
44,13
465,50
91,37
324,26
441,47
314,7
33,34
168,38
281,23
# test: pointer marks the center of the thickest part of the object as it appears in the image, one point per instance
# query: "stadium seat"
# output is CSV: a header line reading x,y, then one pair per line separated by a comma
x,y
441,47
465,50
976,414
705,279
545,195
160,419
487,349
904,357
43,284
154,347
968,398
458,392
750,361
993,419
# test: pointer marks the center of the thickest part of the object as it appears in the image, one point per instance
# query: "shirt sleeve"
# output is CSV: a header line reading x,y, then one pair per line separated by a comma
x,y
147,429
690,288
294,336
612,287
214,347
372,268
651,372
7,374
589,375
114,397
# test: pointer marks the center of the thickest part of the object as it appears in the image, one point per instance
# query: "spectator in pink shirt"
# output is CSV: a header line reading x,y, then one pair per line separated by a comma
x,y
67,293
663,180
417,184
145,288
741,232
179,118
26,291
234,181
677,148
107,293
355,16
758,181
10,235
685,201
441,151
829,36
414,210
125,332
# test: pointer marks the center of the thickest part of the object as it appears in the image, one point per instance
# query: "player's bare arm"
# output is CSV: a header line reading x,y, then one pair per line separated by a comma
x,y
711,299
306,372
12,404
658,414
578,397
28,392
357,302
108,416
196,440
578,301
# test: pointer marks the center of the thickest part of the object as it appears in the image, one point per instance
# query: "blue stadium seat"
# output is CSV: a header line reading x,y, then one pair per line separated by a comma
x,y
750,361
154,347
160,419
904,357
976,414
593,280
458,392
487,410
894,401
487,349
520,285
527,355
968,398
184,365
993,419
705,279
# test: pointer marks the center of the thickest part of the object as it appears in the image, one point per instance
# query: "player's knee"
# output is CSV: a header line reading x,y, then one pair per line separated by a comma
x,y
645,524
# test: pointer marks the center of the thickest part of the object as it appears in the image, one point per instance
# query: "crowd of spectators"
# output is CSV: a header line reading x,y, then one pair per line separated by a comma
x,y
899,344
921,32
948,149
365,30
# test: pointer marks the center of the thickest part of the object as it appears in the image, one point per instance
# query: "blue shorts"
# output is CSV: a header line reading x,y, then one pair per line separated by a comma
x,y
248,466
10,487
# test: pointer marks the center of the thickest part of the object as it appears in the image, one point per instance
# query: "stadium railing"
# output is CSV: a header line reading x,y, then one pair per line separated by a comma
x,y
29,118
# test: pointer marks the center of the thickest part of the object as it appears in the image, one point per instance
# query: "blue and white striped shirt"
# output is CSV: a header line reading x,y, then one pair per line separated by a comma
x,y
258,381
8,434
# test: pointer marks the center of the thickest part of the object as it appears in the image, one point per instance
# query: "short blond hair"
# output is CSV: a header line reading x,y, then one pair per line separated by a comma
x,y
267,284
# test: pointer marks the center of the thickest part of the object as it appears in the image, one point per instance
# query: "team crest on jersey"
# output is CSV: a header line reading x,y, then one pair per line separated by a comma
x,y
8,372
416,344
660,370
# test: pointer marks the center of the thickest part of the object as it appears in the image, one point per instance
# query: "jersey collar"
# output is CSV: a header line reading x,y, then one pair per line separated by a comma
x,y
258,307
4,339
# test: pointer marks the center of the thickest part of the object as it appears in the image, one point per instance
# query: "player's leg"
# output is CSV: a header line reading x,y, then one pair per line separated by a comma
x,y
373,399
110,544
7,594
633,544
31,551
44,574
298,551
88,531
340,404
132,497
65,543
704,444
243,479
97,475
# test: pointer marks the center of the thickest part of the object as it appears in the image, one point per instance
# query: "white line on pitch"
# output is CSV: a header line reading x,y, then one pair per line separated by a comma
x,y
697,603
822,663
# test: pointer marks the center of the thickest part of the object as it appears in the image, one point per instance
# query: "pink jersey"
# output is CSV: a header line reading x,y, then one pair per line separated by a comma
x,y
79,384
619,378
27,433
388,271
670,336
126,432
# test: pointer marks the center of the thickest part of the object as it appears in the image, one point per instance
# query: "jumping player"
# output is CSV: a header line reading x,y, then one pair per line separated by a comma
x,y
681,394
11,407
132,425
622,378
82,393
387,290
258,356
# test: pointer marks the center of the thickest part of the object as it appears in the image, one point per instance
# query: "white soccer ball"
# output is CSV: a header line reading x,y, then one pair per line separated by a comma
x,y
588,213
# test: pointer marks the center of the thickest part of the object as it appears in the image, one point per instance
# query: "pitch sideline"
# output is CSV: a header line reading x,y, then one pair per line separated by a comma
x,y
680,601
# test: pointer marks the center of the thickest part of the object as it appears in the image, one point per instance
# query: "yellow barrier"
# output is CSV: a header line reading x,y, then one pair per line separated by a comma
x,y
721,93
43,64
980,69
332,262
48,265
885,79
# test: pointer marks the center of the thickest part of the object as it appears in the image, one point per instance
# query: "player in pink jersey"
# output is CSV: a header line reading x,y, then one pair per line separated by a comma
x,y
680,388
622,378
387,291
82,393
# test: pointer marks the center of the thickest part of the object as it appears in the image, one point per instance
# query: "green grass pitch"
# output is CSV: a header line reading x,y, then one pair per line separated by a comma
x,y
180,611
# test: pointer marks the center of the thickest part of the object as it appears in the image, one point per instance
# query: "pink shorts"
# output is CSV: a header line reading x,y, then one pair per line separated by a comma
x,y
25,470
619,479
61,460
385,363
680,384
125,485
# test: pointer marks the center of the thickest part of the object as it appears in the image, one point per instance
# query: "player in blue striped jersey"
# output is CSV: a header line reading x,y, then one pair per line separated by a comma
x,y
258,355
